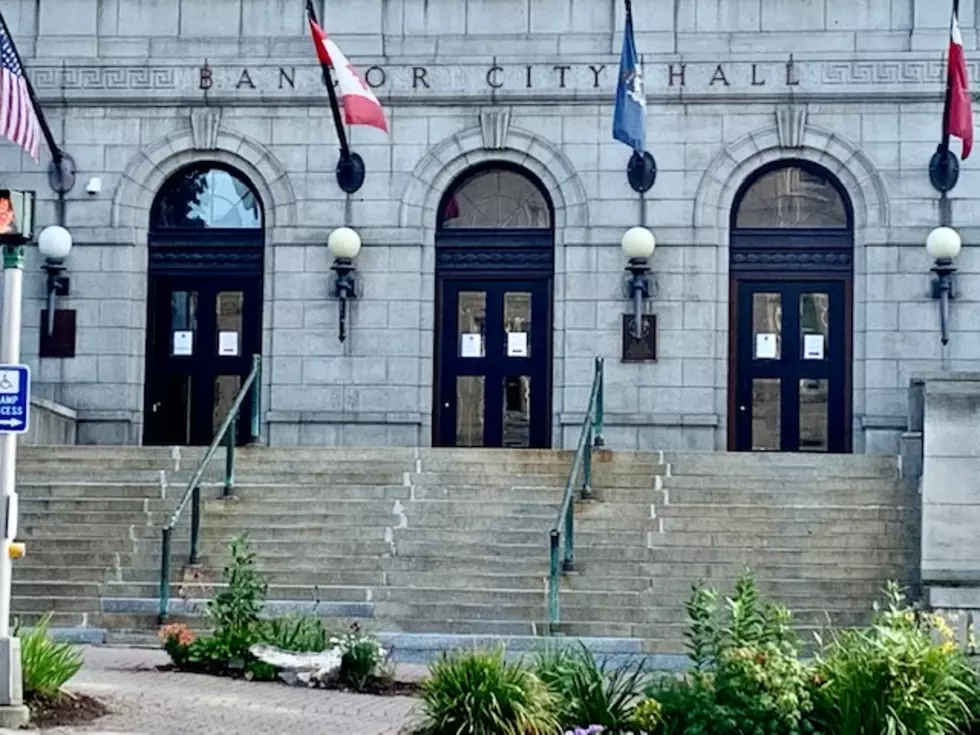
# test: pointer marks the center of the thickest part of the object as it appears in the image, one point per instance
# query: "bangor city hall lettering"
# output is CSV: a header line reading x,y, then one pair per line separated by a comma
x,y
507,76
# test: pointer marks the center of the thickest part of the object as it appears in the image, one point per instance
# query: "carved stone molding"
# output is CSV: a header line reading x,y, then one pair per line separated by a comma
x,y
495,126
791,125
205,124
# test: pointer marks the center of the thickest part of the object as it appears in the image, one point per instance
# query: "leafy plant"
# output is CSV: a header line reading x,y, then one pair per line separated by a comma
x,y
746,672
904,675
592,693
295,633
235,611
479,693
176,640
647,716
45,664
364,659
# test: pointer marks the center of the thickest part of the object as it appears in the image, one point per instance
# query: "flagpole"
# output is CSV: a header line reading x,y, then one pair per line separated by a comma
x,y
944,166
61,174
350,167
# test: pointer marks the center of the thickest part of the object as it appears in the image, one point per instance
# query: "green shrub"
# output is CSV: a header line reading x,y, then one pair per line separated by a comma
x,y
480,693
746,673
591,693
236,611
364,660
904,675
648,716
46,665
300,633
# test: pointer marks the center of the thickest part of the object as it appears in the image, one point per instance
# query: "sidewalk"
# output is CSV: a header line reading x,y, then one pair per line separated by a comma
x,y
143,701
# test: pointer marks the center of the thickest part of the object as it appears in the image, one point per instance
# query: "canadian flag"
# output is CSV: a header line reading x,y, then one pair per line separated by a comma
x,y
959,117
361,107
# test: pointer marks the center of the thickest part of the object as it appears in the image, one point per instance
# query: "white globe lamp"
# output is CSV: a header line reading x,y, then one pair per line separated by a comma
x,y
54,242
638,242
944,243
344,242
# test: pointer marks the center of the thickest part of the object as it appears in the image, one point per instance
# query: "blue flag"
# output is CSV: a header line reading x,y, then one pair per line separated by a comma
x,y
630,118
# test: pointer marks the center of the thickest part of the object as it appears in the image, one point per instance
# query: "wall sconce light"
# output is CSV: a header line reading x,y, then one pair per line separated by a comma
x,y
344,244
54,242
943,245
638,244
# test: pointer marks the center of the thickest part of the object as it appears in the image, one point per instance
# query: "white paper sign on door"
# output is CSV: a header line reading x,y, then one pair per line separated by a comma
x,y
228,344
517,344
765,346
813,345
472,345
183,343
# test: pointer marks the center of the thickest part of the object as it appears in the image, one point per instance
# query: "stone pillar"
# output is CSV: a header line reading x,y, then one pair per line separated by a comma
x,y
951,496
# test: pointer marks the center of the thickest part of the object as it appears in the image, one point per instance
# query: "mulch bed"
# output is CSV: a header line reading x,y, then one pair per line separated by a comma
x,y
65,710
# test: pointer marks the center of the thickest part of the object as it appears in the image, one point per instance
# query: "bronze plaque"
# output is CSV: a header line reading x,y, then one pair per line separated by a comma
x,y
61,341
644,348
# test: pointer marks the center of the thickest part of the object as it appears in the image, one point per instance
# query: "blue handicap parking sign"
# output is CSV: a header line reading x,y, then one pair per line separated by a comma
x,y
15,398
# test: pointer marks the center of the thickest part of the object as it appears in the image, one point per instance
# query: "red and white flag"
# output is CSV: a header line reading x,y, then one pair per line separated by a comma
x,y
361,107
959,103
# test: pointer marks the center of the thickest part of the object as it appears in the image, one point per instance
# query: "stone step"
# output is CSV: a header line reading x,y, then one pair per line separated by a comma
x,y
59,619
36,518
832,571
93,505
414,515
803,526
286,592
779,554
269,506
681,485
49,602
22,588
699,462
785,538
753,512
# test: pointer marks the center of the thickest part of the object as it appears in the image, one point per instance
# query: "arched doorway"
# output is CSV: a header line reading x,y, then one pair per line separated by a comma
x,y
204,306
494,273
791,270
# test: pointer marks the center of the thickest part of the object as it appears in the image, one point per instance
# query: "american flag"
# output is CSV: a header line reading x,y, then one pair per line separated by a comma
x,y
18,119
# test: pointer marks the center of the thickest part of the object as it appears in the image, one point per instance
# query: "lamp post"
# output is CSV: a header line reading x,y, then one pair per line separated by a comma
x,y
344,244
54,242
12,710
943,245
638,244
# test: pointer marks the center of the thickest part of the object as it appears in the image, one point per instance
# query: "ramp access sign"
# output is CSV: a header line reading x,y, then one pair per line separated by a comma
x,y
15,398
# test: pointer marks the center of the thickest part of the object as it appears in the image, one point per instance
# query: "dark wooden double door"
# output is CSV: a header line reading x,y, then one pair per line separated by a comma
x,y
202,334
493,384
792,351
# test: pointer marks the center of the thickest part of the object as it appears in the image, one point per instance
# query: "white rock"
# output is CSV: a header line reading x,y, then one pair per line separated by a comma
x,y
317,669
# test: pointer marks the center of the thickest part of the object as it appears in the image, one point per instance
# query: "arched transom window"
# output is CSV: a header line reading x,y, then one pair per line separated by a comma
x,y
204,196
496,200
792,198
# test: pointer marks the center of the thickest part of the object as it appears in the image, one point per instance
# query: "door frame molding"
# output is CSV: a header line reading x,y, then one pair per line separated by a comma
x,y
480,254
791,255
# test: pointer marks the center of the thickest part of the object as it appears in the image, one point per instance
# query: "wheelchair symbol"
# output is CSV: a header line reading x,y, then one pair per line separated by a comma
x,y
9,382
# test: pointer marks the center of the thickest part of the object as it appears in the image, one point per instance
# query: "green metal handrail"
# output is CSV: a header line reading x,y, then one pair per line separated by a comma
x,y
589,439
226,433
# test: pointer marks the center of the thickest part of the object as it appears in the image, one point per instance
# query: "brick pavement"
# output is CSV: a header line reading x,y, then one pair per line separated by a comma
x,y
143,701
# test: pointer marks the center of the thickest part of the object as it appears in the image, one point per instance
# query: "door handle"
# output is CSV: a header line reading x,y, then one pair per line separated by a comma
x,y
743,408
446,404
156,406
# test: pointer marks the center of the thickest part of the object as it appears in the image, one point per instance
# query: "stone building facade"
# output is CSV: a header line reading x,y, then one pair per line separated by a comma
x,y
830,108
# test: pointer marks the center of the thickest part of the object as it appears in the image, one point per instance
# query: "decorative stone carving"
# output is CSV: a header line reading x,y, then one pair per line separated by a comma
x,y
791,125
495,126
205,123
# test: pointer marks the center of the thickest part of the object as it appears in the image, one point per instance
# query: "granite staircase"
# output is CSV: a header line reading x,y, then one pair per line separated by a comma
x,y
822,534
455,542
